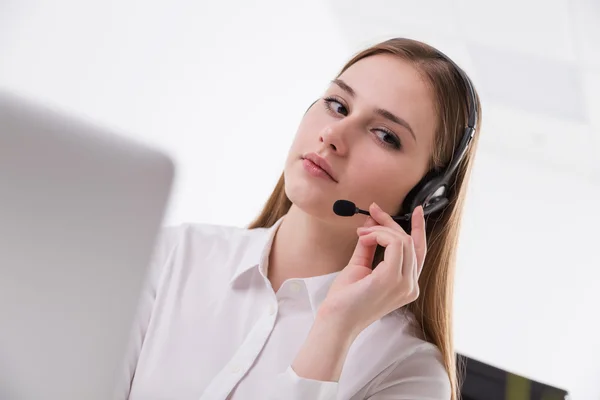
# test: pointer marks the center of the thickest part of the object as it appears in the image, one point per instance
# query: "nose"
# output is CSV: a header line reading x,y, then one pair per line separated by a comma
x,y
333,138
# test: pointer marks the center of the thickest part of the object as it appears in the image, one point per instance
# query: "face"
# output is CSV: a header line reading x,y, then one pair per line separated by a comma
x,y
374,127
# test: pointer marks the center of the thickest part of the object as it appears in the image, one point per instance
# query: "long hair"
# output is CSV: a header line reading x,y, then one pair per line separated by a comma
x,y
433,308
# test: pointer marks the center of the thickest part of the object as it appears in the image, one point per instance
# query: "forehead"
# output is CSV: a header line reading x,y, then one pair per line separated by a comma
x,y
389,82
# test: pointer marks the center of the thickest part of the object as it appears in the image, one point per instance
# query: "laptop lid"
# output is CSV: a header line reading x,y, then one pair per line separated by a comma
x,y
80,208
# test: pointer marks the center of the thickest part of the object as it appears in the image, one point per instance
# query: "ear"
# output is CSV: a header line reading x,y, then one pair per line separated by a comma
x,y
414,196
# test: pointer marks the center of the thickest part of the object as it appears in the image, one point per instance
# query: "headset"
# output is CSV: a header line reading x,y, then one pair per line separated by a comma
x,y
433,189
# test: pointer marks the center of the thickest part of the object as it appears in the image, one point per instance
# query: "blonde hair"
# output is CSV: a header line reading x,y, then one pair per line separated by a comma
x,y
433,309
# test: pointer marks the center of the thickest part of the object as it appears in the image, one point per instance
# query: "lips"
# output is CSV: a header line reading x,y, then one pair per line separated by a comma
x,y
321,163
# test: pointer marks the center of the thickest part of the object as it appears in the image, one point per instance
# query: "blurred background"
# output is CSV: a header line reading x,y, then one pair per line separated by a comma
x,y
221,86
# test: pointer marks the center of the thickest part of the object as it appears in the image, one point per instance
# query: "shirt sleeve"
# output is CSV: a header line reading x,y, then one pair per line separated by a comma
x,y
421,376
290,386
165,244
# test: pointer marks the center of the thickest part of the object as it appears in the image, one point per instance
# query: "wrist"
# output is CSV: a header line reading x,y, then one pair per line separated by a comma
x,y
331,324
336,320
324,352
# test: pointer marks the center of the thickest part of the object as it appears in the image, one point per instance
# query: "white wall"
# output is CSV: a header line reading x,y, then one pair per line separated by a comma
x,y
222,87
526,291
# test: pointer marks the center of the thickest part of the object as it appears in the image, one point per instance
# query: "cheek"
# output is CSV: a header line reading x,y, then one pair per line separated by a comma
x,y
377,177
384,181
304,137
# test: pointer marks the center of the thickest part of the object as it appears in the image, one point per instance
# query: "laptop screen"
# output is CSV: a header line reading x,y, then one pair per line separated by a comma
x,y
482,381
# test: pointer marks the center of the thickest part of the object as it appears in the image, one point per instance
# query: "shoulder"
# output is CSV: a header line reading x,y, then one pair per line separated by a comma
x,y
391,360
203,237
190,247
419,371
213,240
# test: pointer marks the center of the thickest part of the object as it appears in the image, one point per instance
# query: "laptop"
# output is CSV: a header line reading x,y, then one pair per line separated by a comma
x,y
80,210
484,381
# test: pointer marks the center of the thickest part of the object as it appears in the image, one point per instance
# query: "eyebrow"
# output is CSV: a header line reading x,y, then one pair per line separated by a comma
x,y
384,113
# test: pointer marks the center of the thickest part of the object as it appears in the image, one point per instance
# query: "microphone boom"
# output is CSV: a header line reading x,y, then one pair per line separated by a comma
x,y
346,208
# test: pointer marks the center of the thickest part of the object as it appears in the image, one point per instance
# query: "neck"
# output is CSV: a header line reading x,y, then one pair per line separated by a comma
x,y
305,246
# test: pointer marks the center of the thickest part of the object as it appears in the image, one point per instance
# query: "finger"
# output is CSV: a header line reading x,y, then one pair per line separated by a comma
x,y
384,218
408,266
419,237
368,229
382,237
363,255
409,263
369,222
393,255
364,252
416,273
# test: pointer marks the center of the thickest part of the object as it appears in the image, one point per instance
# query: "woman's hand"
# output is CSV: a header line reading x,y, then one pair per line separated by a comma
x,y
360,296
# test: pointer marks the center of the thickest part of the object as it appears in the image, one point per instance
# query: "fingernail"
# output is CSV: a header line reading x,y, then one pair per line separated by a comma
x,y
416,212
363,229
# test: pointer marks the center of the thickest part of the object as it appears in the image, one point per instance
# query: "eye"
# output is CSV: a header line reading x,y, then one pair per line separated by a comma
x,y
388,138
335,106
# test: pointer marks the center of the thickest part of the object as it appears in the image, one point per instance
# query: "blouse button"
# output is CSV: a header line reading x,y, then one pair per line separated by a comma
x,y
295,287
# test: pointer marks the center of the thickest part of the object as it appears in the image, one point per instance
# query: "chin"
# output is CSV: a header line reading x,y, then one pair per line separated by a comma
x,y
311,198
319,205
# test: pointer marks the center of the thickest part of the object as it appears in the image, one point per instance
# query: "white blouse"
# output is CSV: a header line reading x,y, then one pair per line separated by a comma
x,y
210,327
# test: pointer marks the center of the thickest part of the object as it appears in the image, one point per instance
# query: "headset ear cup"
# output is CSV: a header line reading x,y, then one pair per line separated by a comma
x,y
420,191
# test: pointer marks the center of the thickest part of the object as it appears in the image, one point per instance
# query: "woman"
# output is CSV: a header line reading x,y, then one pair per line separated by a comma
x,y
306,304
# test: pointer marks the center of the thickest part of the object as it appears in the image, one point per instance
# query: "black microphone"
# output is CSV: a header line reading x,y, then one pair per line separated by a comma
x,y
346,208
